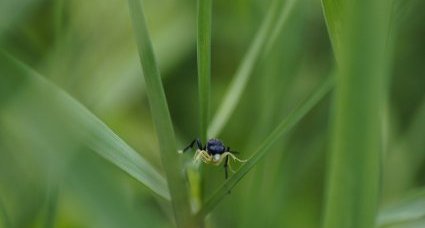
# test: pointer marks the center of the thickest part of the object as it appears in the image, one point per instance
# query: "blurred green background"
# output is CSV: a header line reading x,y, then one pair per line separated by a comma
x,y
49,178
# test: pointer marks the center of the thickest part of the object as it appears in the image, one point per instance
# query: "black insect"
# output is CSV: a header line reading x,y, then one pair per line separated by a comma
x,y
214,152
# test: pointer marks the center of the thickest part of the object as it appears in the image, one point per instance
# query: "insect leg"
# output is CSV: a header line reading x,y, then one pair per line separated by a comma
x,y
206,158
226,164
196,156
198,143
226,174
231,151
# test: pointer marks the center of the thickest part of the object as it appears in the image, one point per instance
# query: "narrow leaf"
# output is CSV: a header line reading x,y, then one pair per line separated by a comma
x,y
204,64
333,11
273,23
284,127
410,209
89,129
359,33
161,116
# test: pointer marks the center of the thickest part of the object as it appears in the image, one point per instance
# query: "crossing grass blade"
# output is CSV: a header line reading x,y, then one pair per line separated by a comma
x,y
161,117
409,209
272,24
283,127
86,126
333,11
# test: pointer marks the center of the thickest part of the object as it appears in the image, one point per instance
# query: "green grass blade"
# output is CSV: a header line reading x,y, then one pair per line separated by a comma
x,y
277,13
204,64
280,23
171,161
90,129
355,155
284,126
333,11
410,209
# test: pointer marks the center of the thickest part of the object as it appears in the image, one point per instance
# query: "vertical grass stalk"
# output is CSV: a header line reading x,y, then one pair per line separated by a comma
x,y
355,156
204,64
204,17
161,117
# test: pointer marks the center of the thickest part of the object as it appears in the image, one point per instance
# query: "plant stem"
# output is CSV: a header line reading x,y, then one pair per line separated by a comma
x,y
204,18
204,64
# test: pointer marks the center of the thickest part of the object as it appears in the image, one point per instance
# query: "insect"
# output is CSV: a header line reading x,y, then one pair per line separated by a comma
x,y
213,152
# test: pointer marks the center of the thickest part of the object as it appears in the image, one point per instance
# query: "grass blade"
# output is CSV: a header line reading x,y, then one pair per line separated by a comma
x,y
407,210
280,23
204,64
355,156
278,12
333,11
284,126
204,18
161,118
86,126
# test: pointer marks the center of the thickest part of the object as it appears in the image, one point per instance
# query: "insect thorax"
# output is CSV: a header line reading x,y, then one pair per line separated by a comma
x,y
215,146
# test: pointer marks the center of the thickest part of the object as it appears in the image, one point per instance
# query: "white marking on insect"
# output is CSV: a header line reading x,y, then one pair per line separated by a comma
x,y
204,156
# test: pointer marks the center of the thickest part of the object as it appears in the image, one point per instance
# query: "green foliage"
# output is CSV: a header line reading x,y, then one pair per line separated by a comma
x,y
282,128
83,125
204,64
355,158
85,141
405,212
271,25
161,116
